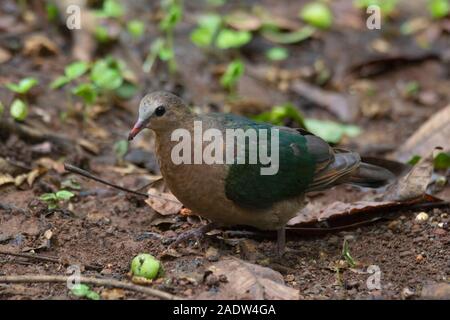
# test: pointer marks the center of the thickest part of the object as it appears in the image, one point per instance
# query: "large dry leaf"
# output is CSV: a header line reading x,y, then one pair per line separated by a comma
x,y
161,200
248,281
433,133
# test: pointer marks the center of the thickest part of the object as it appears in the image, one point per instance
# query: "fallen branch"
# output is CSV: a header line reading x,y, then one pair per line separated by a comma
x,y
86,174
89,280
34,256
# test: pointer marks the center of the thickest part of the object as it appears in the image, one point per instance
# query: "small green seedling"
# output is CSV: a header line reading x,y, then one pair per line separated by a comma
x,y
146,266
121,149
83,291
277,54
317,14
136,28
87,92
387,7
71,72
346,254
23,86
163,47
19,110
330,131
439,8
210,31
442,161
53,199
414,160
2,108
232,74
111,9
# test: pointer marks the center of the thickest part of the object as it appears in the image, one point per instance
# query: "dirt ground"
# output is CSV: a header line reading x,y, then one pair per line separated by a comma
x,y
102,229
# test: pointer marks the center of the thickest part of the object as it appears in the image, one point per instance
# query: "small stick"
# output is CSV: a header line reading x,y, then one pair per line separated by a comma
x,y
89,280
45,258
86,174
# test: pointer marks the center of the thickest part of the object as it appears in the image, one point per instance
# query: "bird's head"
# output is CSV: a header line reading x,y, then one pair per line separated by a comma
x,y
158,111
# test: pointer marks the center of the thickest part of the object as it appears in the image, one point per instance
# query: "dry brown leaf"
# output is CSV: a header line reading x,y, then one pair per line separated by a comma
x,y
248,281
241,20
5,55
89,146
38,44
415,183
113,294
164,203
6,178
34,174
50,164
433,133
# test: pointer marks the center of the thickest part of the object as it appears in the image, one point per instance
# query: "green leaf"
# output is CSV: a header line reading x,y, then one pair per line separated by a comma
x,y
59,82
113,9
105,76
2,108
52,12
277,54
438,8
23,86
86,91
48,197
93,295
277,36
202,36
346,254
412,88
442,161
232,74
331,131
19,110
121,148
280,113
64,195
80,290
173,15
165,53
136,28
102,34
317,14
126,91
414,160
76,69
228,38
71,184
387,7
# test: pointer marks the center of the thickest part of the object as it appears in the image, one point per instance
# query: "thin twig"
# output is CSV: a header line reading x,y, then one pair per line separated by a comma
x,y
86,174
38,257
89,280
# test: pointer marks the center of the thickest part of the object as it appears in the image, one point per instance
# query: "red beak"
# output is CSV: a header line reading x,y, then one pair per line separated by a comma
x,y
136,129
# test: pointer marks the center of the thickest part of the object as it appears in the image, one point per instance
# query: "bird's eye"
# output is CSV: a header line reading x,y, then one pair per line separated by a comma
x,y
160,111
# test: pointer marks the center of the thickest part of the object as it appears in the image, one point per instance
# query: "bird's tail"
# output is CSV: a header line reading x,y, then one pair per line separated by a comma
x,y
348,167
369,175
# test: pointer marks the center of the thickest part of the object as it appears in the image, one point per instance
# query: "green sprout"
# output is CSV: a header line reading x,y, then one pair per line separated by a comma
x,y
84,291
330,131
277,54
23,86
346,254
2,108
232,74
317,14
210,31
121,149
55,198
19,110
111,9
71,72
136,28
163,47
438,8
387,7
